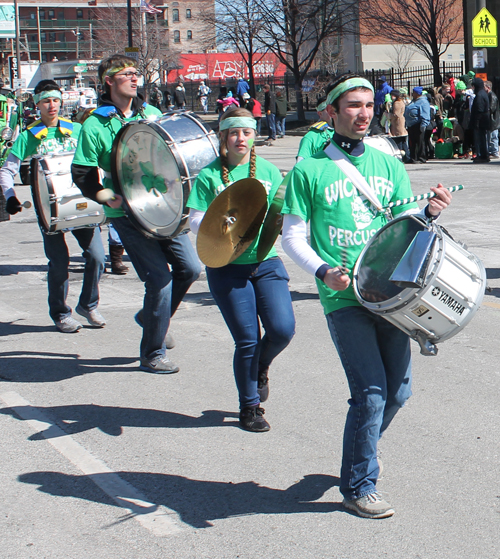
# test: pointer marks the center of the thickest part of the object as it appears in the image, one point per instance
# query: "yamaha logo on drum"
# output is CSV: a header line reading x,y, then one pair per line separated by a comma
x,y
448,300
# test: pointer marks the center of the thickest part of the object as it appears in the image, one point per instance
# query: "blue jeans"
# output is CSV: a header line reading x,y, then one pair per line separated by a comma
x,y
377,362
244,293
113,237
57,253
493,142
280,125
167,268
271,125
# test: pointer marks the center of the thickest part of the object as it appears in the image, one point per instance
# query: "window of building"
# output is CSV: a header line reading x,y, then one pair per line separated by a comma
x,y
52,14
60,14
32,15
34,38
52,37
61,37
42,14
189,34
188,14
177,36
79,13
175,14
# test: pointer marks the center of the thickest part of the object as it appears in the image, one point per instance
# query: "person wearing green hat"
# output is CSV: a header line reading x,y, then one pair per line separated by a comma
x,y
341,210
318,135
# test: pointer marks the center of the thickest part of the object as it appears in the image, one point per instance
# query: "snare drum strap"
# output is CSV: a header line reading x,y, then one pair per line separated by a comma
x,y
357,179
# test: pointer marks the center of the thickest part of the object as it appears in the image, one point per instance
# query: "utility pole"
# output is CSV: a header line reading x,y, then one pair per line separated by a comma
x,y
18,50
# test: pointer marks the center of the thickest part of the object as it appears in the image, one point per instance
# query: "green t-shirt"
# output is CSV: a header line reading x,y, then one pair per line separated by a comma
x,y
55,142
95,143
209,184
342,221
315,140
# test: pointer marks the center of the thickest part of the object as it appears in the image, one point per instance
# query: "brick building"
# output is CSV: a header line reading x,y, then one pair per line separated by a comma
x,y
53,31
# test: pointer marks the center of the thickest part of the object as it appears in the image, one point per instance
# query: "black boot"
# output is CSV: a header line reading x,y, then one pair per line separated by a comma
x,y
115,255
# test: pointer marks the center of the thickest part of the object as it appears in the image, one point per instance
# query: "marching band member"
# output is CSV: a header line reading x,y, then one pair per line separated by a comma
x,y
50,135
246,290
374,353
318,135
167,267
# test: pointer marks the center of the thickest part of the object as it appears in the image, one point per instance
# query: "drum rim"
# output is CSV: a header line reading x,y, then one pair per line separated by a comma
x,y
405,296
36,162
116,183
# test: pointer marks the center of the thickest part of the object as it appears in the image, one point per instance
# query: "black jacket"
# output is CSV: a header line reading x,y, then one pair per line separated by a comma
x,y
480,112
494,111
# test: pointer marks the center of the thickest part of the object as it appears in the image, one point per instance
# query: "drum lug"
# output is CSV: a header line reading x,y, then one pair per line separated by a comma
x,y
426,346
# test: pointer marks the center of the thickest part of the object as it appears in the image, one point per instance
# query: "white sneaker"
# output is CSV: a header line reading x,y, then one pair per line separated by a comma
x,y
94,317
370,506
67,325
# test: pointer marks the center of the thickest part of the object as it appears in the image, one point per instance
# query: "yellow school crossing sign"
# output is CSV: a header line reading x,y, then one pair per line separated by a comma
x,y
484,30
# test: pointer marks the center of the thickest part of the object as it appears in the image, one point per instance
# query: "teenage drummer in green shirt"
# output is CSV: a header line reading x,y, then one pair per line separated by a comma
x,y
54,135
167,267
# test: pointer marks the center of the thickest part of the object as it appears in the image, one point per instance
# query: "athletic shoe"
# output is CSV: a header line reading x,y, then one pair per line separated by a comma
x,y
67,325
251,419
263,385
169,339
370,506
161,365
94,317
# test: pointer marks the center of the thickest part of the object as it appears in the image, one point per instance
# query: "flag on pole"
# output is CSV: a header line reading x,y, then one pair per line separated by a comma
x,y
147,8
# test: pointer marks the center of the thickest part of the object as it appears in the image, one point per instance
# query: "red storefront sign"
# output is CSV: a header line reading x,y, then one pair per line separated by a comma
x,y
221,66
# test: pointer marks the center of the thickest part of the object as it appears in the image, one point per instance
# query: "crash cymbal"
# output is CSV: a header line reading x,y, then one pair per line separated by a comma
x,y
231,223
273,221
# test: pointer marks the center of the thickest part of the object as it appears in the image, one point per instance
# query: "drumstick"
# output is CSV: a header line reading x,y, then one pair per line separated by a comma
x,y
26,204
426,196
105,195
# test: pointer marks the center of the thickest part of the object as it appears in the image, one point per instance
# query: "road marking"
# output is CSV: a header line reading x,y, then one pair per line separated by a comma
x,y
488,304
159,520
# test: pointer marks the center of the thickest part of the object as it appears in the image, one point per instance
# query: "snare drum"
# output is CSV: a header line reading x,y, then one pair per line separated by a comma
x,y
59,203
154,164
385,144
452,281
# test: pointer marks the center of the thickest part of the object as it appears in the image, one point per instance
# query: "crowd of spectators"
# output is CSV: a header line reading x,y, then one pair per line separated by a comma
x,y
459,119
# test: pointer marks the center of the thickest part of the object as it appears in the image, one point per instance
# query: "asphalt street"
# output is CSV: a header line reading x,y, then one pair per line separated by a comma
x,y
100,460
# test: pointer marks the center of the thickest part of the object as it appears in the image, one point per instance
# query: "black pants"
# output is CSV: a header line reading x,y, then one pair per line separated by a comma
x,y
417,144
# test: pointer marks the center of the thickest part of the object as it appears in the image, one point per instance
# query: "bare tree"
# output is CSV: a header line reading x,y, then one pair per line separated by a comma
x,y
294,31
238,25
400,56
150,36
430,26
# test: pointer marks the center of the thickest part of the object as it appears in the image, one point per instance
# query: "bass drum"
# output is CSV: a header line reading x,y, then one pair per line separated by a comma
x,y
385,144
154,164
444,285
60,206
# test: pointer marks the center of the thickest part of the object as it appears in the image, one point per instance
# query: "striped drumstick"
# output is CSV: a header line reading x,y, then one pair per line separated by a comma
x,y
426,196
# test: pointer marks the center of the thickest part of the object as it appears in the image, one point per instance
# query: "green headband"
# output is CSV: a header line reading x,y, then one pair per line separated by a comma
x,y
351,83
45,94
114,70
321,107
238,122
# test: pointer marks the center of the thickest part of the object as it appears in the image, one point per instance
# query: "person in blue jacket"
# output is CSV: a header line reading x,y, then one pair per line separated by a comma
x,y
418,117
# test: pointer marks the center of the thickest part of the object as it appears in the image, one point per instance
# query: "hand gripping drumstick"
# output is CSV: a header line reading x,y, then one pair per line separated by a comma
x,y
421,197
105,195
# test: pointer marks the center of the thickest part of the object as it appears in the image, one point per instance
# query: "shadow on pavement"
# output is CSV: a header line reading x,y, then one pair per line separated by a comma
x,y
198,502
111,420
493,273
29,366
